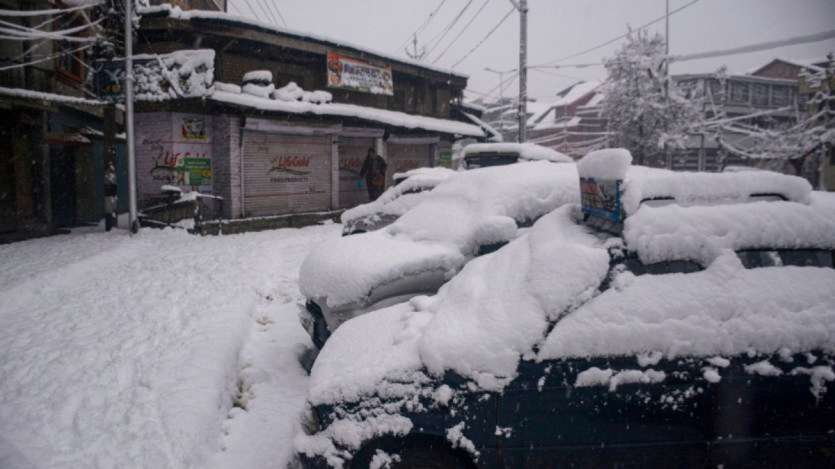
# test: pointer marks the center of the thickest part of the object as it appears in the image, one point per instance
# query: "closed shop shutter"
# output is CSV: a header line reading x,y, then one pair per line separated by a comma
x,y
405,156
286,173
352,151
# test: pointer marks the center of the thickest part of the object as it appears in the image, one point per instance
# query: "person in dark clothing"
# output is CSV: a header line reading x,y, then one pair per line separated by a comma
x,y
374,172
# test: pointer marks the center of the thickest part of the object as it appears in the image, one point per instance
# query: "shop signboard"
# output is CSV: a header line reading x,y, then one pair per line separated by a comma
x,y
601,199
358,75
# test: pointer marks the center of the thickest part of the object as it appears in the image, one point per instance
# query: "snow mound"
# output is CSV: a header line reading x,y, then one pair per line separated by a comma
x,y
346,269
692,188
179,74
443,230
526,151
479,324
607,164
262,76
700,233
725,310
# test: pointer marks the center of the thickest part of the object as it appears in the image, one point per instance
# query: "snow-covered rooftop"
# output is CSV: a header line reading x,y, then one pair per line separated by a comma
x,y
177,13
526,151
394,118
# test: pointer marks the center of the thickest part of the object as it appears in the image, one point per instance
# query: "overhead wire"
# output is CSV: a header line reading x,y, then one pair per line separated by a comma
x,y
54,11
45,59
278,11
487,36
433,44
463,30
425,23
618,38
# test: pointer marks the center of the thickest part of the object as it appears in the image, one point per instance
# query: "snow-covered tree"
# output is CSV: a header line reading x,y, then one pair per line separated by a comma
x,y
800,146
642,118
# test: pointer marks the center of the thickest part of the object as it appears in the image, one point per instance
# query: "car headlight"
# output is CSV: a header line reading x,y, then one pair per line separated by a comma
x,y
311,423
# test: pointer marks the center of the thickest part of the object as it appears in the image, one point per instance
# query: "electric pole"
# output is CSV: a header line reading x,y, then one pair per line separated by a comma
x,y
522,7
133,221
667,155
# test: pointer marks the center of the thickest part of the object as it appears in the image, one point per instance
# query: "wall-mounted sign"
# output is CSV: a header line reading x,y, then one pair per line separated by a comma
x,y
601,199
358,75
184,165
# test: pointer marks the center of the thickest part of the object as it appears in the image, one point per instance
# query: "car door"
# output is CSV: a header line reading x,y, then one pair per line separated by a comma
x,y
547,420
774,412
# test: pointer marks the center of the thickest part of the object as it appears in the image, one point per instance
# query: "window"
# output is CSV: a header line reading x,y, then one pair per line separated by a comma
x,y
740,93
780,95
796,257
760,94
716,90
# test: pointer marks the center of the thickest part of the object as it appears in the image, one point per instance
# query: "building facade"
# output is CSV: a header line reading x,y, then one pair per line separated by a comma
x,y
281,121
52,150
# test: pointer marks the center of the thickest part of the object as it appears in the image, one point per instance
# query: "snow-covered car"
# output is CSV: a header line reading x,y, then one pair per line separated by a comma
x,y
481,155
408,190
469,214
653,337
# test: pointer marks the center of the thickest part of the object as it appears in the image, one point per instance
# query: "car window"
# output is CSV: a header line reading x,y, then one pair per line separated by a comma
x,y
755,258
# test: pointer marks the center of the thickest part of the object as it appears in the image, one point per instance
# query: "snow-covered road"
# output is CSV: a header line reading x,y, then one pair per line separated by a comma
x,y
120,352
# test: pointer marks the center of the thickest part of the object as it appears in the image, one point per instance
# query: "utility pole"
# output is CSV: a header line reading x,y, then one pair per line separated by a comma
x,y
522,7
133,219
667,154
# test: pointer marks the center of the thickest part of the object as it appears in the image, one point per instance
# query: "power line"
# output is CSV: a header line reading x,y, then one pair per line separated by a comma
x,y
460,33
490,33
266,11
278,11
615,39
56,11
45,59
446,31
425,23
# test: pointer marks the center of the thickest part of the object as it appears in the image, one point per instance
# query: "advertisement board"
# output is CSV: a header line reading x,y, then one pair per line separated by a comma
x,y
601,199
358,75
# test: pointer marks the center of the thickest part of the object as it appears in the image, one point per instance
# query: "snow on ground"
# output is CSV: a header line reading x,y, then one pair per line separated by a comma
x,y
120,352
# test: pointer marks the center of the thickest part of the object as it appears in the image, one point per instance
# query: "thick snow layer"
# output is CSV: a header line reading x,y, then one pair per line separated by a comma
x,y
227,87
687,188
526,151
443,230
824,203
396,200
179,74
395,118
499,305
258,75
478,324
345,270
613,378
607,164
128,352
701,233
691,188
724,310
50,97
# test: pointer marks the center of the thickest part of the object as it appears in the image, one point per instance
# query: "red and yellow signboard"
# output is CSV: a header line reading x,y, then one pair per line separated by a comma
x,y
358,75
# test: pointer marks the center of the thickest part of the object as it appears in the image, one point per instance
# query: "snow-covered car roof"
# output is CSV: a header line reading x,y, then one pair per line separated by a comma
x,y
525,151
398,199
659,186
466,211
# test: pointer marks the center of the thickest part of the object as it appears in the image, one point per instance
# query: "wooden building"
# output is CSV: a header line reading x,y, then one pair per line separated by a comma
x,y
267,154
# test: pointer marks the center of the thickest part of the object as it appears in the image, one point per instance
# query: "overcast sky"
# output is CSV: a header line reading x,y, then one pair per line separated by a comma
x,y
558,28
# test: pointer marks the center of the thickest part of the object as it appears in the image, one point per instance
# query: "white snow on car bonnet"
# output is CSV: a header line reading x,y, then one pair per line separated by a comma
x,y
724,310
526,151
479,324
445,229
392,200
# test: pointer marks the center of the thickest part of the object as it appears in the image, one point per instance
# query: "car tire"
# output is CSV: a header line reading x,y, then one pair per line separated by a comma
x,y
416,453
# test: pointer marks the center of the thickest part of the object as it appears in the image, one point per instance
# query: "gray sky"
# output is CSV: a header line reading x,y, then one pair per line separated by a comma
x,y
558,28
